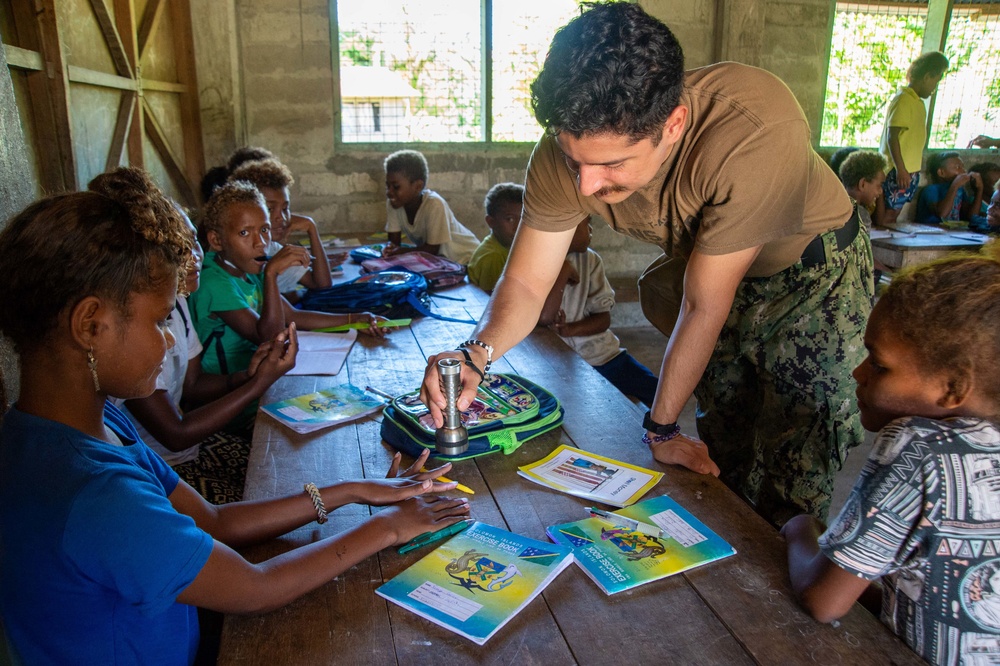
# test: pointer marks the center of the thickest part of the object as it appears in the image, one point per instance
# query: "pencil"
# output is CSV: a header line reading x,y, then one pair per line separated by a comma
x,y
458,486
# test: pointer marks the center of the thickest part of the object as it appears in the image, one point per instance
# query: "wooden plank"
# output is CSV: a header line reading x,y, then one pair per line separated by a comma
x,y
58,88
110,32
194,151
125,20
150,19
162,146
102,79
126,110
23,58
739,31
164,86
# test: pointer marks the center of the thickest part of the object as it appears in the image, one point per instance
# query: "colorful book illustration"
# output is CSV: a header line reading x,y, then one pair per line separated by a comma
x,y
618,558
589,475
478,580
315,411
322,353
498,398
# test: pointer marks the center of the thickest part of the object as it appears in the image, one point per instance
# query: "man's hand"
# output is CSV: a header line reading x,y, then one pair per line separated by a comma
x,y
687,452
430,391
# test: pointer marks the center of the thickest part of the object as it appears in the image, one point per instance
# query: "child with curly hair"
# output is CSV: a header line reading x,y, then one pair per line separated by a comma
x,y
924,516
239,305
104,553
273,179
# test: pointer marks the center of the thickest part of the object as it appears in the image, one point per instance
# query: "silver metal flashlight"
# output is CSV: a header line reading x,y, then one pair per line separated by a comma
x,y
452,438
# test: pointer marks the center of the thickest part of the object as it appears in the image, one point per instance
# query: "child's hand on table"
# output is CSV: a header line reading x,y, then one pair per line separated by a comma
x,y
389,249
372,320
275,357
399,486
428,513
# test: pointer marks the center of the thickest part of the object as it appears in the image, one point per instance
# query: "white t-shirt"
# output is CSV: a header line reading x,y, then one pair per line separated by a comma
x,y
175,363
592,295
434,224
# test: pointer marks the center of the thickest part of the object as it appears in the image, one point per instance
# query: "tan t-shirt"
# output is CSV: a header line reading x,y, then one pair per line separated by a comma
x,y
743,174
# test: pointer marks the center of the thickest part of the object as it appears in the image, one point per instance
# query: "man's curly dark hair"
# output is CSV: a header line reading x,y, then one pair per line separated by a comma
x,y
615,69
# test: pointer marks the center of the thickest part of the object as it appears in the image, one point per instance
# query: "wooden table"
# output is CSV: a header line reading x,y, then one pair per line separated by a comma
x,y
901,249
736,611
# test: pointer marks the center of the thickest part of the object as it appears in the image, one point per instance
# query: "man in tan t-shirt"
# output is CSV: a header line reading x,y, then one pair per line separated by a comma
x,y
769,276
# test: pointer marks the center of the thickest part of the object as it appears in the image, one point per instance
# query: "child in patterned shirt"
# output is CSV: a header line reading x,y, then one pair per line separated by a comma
x,y
924,516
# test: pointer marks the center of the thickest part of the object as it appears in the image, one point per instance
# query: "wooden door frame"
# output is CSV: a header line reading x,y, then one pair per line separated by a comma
x,y
43,56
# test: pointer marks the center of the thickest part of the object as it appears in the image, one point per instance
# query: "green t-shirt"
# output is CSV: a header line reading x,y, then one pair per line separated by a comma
x,y
221,292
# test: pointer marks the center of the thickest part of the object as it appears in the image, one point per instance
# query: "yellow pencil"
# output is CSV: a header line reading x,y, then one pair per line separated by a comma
x,y
458,486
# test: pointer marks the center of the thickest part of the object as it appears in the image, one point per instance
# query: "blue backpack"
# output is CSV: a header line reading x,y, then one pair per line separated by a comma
x,y
396,294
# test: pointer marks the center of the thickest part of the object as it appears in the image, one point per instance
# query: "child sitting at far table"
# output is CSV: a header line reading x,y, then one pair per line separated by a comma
x,y
421,214
503,206
273,179
238,305
105,554
924,516
947,199
578,309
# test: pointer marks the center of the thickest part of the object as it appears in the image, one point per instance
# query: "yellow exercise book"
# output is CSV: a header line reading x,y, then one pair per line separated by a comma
x,y
591,476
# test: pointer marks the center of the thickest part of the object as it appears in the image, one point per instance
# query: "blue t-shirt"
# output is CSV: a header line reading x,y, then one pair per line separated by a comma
x,y
925,516
92,553
930,196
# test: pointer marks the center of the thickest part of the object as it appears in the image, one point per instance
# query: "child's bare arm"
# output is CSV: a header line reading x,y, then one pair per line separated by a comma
x,y
902,175
826,591
310,320
943,207
970,208
229,583
319,277
178,432
589,325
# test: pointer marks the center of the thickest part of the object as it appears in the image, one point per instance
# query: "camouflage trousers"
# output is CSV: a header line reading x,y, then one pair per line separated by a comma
x,y
776,404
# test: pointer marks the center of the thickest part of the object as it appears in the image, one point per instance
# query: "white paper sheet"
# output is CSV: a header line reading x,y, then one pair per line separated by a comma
x,y
322,353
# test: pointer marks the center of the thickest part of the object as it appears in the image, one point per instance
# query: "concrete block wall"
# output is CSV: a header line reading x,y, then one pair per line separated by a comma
x,y
267,78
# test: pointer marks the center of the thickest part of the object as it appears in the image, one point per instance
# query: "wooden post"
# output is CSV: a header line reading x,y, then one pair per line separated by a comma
x,y
739,31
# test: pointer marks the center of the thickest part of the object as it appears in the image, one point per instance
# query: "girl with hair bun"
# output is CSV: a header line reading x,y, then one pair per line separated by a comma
x,y
104,553
925,512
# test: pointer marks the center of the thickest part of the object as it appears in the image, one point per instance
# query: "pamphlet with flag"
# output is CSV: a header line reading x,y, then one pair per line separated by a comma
x,y
618,557
591,476
478,580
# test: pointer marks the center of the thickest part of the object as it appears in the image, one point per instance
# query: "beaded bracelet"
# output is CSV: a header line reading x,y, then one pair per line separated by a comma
x,y
317,501
488,348
657,439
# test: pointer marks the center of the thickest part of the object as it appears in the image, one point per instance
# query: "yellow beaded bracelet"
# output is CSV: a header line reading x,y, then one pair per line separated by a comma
x,y
317,501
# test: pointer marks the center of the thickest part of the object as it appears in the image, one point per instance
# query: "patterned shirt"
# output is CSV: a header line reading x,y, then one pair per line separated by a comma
x,y
925,514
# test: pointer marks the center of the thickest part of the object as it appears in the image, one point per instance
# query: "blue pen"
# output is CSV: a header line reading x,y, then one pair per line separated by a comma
x,y
431,537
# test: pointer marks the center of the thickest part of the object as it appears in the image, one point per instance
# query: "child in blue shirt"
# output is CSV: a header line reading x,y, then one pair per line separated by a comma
x,y
924,516
946,198
104,553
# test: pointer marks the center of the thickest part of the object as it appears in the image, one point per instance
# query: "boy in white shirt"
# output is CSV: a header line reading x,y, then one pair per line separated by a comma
x,y
421,214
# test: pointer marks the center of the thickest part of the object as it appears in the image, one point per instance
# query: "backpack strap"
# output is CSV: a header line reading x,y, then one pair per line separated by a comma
x,y
220,352
422,308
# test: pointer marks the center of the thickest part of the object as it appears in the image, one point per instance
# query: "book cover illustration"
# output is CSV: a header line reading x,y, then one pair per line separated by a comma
x,y
589,475
498,398
313,411
478,580
618,558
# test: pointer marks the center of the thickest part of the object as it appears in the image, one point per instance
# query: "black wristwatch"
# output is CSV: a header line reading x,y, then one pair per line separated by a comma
x,y
657,428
